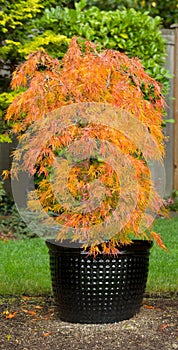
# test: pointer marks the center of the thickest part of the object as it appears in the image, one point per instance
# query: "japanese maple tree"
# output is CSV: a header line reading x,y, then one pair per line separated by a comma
x,y
50,115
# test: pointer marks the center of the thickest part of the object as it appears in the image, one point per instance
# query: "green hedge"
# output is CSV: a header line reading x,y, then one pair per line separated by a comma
x,y
167,9
130,31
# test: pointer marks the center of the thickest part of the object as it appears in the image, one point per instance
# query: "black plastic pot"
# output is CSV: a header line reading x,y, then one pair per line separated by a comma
x,y
103,289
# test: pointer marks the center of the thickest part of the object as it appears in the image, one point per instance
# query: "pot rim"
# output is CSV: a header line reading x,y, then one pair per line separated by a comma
x,y
137,244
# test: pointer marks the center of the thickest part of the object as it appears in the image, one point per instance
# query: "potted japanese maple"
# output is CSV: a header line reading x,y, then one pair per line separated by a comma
x,y
88,127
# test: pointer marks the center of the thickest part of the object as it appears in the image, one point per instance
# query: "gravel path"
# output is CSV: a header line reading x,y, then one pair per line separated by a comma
x,y
30,323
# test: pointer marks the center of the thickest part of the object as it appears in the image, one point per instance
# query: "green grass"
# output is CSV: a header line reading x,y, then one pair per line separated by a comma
x,y
163,267
24,264
24,267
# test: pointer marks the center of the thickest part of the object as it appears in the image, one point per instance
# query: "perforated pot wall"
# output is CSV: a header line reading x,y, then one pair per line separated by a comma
x,y
98,290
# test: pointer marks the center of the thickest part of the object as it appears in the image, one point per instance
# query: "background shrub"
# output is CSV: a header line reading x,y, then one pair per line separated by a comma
x,y
167,9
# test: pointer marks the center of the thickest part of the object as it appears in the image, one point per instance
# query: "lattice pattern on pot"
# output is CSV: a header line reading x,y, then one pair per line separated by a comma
x,y
105,285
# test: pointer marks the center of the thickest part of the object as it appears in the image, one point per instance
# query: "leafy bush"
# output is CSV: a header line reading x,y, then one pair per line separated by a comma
x,y
2,192
5,99
112,84
130,31
11,222
167,10
14,225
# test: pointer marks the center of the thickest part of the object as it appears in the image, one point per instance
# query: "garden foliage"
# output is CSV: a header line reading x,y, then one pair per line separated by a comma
x,y
167,10
135,33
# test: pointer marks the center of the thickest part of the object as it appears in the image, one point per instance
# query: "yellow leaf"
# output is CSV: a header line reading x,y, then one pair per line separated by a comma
x,y
5,174
8,337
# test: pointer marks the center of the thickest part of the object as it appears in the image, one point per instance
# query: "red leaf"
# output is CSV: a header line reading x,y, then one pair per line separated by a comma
x,y
163,326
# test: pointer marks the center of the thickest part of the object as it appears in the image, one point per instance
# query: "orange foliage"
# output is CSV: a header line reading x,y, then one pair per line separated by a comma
x,y
110,77
84,75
